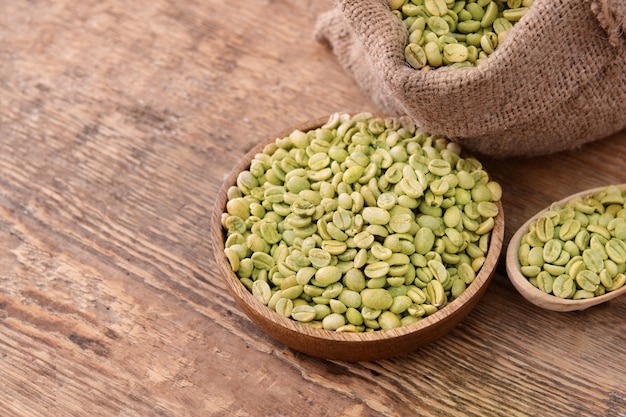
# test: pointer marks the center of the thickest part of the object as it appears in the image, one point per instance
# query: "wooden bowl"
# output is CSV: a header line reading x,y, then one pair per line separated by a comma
x,y
350,347
534,294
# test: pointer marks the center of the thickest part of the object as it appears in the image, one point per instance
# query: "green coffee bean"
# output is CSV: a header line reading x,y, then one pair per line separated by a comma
x,y
350,298
452,217
327,275
456,53
304,275
319,257
333,290
593,259
489,42
554,270
376,215
469,26
569,229
401,223
233,259
485,226
487,208
334,247
369,313
261,291
433,54
416,295
501,25
337,306
396,4
380,252
611,268
544,229
419,23
400,304
436,293
481,193
616,250
552,250
376,299
466,273
293,292
436,7
262,260
618,282
545,281
376,270
333,321
337,234
354,280
618,228
530,271
564,286
458,287
599,230
578,246
284,307
588,280
438,270
389,320
424,240
438,25
582,294
514,14
354,316
415,56
303,313
490,14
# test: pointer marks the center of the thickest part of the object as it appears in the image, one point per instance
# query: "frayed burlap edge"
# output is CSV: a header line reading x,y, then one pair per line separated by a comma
x,y
611,15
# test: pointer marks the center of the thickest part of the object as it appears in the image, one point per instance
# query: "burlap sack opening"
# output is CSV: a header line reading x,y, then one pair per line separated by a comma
x,y
557,82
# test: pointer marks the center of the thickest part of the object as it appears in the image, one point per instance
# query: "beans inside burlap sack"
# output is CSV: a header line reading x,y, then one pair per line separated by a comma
x,y
556,82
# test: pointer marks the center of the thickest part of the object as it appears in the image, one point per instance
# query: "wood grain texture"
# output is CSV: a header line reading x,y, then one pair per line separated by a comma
x,y
118,123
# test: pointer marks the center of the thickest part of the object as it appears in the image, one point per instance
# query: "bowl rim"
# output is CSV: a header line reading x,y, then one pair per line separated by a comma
x,y
249,303
523,285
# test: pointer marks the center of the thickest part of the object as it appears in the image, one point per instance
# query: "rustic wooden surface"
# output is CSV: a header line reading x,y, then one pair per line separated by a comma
x,y
118,122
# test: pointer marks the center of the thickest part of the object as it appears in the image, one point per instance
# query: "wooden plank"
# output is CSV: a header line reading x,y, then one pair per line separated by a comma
x,y
118,123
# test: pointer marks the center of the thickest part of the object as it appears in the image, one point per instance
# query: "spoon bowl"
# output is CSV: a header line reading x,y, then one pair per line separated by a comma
x,y
534,294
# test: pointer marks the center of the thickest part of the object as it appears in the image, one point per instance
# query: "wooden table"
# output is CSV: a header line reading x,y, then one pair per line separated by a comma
x,y
118,123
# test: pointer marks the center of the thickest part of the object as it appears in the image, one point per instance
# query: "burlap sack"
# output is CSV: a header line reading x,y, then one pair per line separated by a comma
x,y
557,81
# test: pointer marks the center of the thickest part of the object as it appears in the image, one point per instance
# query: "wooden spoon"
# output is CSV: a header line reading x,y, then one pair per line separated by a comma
x,y
535,295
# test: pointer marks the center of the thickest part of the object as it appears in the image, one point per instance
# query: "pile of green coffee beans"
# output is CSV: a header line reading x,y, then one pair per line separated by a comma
x,y
578,250
455,33
364,223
